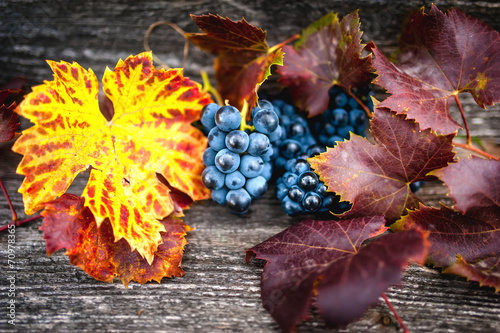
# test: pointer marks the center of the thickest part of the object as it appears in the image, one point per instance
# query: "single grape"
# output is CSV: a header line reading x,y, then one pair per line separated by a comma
x,y
322,190
290,179
235,180
276,135
297,128
332,142
288,109
312,202
219,195
281,190
207,117
341,100
290,164
290,148
296,193
308,181
251,166
238,201
301,166
268,155
256,186
227,118
227,161
212,178
209,157
237,141
339,117
259,144
290,207
266,121
315,150
330,129
217,139
267,171
262,104
357,117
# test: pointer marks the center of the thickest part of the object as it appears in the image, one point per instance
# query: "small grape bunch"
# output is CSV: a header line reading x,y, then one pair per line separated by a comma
x,y
237,163
301,191
343,116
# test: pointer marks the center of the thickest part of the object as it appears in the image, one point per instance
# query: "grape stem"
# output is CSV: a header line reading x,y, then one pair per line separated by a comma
x,y
365,108
14,221
176,28
476,150
398,318
244,114
209,88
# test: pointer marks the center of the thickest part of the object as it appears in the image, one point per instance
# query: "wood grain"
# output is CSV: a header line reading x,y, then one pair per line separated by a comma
x,y
219,292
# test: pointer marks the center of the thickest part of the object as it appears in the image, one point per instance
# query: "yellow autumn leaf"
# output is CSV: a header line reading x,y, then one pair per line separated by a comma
x,y
150,133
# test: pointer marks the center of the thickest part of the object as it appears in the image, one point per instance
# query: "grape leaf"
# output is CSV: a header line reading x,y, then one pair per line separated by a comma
x,y
376,178
465,244
69,224
326,256
150,133
470,188
440,55
328,53
243,57
9,122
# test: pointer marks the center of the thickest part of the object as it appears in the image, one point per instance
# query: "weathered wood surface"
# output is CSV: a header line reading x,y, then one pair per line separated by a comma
x,y
219,292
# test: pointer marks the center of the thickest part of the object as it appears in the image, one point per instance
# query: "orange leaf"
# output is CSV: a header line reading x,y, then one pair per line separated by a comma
x,y
69,224
150,133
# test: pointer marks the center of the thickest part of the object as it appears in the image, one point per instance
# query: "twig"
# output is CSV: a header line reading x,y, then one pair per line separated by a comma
x,y
398,318
365,108
19,222
176,28
457,100
13,211
476,150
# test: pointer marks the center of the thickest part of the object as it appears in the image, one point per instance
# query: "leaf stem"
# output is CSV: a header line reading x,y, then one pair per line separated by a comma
x,y
398,318
13,211
476,150
19,222
365,108
469,140
291,39
176,28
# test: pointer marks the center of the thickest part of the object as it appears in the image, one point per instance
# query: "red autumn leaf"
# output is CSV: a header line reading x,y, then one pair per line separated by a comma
x,y
376,178
470,188
243,57
9,122
327,256
465,244
328,53
69,224
440,55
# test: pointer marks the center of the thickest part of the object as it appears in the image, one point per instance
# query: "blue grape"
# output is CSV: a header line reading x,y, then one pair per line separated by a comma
x,y
296,193
256,186
290,148
357,117
345,131
228,118
312,202
308,180
251,166
227,161
262,104
268,155
267,171
235,180
290,207
290,179
219,195
266,121
238,201
300,166
217,139
276,135
281,190
332,142
341,100
339,117
259,144
212,178
207,117
237,141
209,157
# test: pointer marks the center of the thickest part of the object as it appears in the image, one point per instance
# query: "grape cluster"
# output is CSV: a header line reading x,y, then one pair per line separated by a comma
x,y
343,116
237,163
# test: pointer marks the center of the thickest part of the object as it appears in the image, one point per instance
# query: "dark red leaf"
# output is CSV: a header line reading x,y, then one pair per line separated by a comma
x,y
9,122
328,53
325,252
440,55
470,188
473,238
376,177
243,56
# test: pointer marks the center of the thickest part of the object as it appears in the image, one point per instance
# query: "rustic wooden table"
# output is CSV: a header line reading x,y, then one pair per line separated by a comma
x,y
219,291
